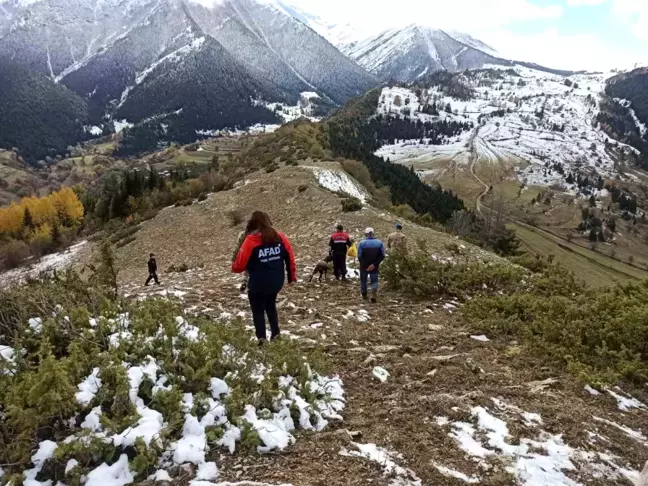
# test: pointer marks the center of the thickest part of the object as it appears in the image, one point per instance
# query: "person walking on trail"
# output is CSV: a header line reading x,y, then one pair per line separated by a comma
x,y
340,243
152,269
265,254
397,241
371,253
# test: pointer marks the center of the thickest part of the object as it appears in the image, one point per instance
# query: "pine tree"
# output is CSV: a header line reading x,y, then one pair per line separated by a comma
x,y
56,236
52,392
28,221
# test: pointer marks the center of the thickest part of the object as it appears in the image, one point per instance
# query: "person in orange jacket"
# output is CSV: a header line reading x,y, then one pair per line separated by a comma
x,y
268,258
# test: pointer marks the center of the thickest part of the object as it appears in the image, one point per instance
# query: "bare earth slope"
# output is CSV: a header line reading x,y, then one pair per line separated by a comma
x,y
203,233
454,409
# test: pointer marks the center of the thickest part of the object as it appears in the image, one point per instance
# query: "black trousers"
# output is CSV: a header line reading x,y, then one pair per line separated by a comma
x,y
339,266
152,276
262,304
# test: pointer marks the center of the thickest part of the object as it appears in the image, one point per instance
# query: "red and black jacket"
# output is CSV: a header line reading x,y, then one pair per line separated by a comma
x,y
340,243
265,264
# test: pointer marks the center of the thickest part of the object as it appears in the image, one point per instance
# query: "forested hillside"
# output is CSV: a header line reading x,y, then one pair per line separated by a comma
x,y
37,115
626,115
352,134
208,90
633,87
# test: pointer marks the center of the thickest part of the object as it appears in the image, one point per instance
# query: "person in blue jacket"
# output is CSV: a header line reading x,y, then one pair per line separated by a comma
x,y
371,253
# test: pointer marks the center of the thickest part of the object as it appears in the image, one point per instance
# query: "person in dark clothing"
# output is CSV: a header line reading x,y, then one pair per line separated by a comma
x,y
265,254
152,269
340,243
371,253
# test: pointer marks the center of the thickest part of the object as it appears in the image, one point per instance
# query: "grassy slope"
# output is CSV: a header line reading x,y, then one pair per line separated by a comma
x,y
549,232
594,268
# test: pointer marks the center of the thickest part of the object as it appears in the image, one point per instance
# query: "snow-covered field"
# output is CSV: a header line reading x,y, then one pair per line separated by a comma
x,y
339,181
527,118
55,261
287,113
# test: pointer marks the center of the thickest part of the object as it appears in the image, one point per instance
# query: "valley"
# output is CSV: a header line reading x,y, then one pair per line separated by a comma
x,y
532,131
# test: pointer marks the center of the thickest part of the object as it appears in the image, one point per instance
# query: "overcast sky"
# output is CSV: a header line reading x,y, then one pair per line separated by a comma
x,y
570,34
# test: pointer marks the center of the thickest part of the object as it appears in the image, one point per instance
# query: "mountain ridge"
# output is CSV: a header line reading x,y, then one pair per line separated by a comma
x,y
405,54
116,54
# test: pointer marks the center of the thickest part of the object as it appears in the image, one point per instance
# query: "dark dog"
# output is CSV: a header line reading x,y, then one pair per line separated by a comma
x,y
322,268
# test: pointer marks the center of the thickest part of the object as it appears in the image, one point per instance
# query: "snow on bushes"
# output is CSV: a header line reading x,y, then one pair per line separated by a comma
x,y
143,389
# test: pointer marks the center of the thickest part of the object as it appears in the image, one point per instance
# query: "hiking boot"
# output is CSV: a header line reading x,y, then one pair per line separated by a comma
x,y
262,342
374,300
276,338
364,296
374,297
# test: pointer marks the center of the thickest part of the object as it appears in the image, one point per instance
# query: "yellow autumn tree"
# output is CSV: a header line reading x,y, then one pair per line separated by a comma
x,y
11,219
59,208
68,207
41,209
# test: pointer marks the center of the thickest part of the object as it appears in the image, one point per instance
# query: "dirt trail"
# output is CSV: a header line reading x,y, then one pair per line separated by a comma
x,y
474,158
436,369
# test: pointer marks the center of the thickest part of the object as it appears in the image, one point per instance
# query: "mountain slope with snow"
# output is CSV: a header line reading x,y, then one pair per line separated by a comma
x,y
337,34
409,53
60,37
222,62
273,45
544,124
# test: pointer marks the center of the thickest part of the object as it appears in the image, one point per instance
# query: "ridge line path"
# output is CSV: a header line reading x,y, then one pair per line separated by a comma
x,y
441,370
436,369
474,157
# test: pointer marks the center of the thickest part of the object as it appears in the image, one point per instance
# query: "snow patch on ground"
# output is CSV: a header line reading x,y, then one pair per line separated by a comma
x,y
121,125
118,474
88,388
628,104
386,460
7,354
55,261
94,130
625,401
452,473
540,461
288,113
338,181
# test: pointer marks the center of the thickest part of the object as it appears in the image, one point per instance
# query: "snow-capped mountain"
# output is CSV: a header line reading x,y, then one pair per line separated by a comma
x,y
414,51
135,57
337,34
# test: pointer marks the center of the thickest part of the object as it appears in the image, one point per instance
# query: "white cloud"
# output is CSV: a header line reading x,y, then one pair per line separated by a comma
x,y
553,49
635,13
580,3
372,16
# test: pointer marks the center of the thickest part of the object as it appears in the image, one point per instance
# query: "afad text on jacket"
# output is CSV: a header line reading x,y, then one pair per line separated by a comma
x,y
266,263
